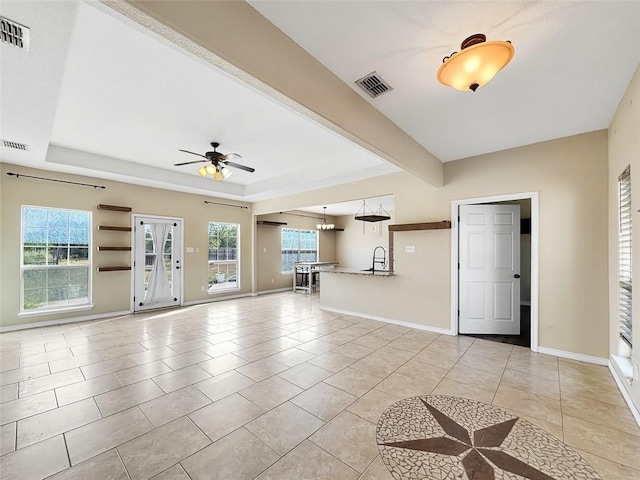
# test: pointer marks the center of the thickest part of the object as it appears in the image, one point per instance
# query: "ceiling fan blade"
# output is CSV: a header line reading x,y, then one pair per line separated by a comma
x,y
189,163
241,167
229,156
192,153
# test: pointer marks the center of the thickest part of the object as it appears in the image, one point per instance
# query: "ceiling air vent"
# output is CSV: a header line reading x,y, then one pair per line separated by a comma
x,y
374,84
14,34
16,145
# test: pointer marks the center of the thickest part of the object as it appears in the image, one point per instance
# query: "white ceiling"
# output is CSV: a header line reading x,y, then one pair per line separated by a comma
x,y
573,61
99,95
128,100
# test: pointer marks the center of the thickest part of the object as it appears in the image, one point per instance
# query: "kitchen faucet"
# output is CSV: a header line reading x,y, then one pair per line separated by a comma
x,y
381,260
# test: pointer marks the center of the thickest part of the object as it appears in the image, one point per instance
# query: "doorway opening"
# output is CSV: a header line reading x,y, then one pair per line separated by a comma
x,y
504,307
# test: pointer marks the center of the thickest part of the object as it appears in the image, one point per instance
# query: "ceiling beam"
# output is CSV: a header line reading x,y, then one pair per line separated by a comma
x,y
233,36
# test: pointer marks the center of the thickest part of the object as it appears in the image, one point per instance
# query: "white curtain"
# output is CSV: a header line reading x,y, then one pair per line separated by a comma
x,y
159,290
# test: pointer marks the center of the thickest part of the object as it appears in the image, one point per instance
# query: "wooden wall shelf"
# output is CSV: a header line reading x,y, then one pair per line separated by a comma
x,y
271,223
110,228
410,227
114,249
114,208
112,269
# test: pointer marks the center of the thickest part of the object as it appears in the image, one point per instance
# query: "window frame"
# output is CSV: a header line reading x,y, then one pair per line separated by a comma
x,y
89,266
625,260
298,230
237,286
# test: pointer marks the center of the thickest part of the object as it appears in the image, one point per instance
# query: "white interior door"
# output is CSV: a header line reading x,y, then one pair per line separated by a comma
x,y
157,262
489,290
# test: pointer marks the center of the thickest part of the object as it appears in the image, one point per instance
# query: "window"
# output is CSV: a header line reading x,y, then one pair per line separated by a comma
x,y
56,259
224,260
298,246
624,256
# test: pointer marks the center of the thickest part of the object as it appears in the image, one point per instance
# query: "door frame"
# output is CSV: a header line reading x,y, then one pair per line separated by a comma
x,y
455,248
132,292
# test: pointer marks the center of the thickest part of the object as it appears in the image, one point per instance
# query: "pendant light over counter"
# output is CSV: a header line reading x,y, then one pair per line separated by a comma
x,y
324,225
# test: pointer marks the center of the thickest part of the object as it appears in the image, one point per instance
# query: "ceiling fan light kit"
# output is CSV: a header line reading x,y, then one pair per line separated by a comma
x,y
219,162
477,62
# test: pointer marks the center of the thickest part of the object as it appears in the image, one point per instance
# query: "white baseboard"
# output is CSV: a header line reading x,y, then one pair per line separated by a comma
x,y
275,290
623,389
417,326
217,299
574,356
62,321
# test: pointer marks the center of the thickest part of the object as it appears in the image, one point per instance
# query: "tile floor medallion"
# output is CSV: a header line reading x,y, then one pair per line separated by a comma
x,y
447,437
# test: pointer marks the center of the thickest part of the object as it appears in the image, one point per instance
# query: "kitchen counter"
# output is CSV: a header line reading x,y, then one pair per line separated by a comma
x,y
352,271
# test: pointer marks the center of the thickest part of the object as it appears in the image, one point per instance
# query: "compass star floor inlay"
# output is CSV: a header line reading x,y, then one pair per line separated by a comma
x,y
447,438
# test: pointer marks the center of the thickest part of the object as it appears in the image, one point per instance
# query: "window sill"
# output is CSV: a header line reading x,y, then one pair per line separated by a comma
x,y
225,290
625,366
55,311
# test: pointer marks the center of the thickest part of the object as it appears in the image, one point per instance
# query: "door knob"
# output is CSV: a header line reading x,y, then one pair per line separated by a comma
x,y
516,276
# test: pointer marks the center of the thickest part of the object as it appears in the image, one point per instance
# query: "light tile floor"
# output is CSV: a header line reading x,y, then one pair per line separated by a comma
x,y
271,388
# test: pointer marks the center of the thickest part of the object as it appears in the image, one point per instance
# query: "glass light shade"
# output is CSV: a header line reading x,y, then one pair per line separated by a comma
x,y
211,170
218,176
476,65
202,171
226,173
319,226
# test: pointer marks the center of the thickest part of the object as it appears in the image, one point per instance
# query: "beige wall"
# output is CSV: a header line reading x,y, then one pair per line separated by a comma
x,y
354,246
624,150
268,274
111,290
570,175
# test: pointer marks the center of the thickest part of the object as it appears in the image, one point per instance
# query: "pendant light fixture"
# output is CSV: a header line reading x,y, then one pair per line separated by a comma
x,y
324,225
475,64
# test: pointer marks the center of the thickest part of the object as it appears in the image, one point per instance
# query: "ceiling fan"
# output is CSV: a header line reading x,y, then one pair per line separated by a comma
x,y
218,163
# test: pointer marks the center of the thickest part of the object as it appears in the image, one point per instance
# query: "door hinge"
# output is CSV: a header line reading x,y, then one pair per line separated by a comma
x,y
458,265
134,298
458,312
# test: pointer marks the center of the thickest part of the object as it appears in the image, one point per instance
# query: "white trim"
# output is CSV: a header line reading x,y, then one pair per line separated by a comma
x,y
614,368
275,290
574,356
417,326
218,299
56,311
49,323
534,256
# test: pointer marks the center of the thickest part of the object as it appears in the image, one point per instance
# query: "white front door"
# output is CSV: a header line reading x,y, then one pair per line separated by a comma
x,y
157,262
489,289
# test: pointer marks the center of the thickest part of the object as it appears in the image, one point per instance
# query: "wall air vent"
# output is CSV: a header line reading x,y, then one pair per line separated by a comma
x,y
14,34
16,145
374,84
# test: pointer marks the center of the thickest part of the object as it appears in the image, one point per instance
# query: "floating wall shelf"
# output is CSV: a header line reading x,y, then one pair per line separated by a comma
x,y
114,249
114,208
110,228
271,223
112,269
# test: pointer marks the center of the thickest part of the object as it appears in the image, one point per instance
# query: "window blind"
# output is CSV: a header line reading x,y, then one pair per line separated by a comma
x,y
625,256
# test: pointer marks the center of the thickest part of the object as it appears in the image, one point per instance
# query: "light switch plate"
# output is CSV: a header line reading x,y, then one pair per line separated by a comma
x,y
190,249
409,249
